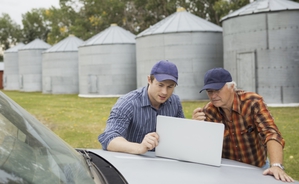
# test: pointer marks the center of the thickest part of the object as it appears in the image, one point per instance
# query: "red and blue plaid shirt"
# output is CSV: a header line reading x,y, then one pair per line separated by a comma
x,y
250,128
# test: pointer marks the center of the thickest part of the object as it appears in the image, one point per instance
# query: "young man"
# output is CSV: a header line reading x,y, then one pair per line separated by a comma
x,y
250,132
131,126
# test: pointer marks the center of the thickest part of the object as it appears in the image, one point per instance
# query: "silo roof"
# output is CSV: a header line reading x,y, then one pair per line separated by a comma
x,y
15,48
262,6
69,44
112,35
181,21
36,44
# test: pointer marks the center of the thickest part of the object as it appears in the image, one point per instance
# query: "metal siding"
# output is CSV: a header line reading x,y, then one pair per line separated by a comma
x,y
30,68
62,68
69,44
246,71
113,68
92,84
281,73
283,30
181,21
244,33
36,44
11,71
263,6
277,52
112,35
47,85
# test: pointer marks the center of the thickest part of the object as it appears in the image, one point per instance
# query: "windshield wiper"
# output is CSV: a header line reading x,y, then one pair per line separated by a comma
x,y
87,160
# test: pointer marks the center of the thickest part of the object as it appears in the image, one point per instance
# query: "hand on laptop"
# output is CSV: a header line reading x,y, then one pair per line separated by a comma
x,y
150,141
198,114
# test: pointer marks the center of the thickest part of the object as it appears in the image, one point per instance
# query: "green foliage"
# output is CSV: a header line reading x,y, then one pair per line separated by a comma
x,y
58,24
86,18
224,7
9,31
34,26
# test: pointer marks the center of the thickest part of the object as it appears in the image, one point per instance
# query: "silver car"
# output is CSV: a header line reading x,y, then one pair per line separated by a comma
x,y
31,153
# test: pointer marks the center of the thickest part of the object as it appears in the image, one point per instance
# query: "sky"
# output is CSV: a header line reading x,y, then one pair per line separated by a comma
x,y
15,8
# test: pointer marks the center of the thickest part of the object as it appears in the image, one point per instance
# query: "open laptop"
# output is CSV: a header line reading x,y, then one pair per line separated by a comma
x,y
190,140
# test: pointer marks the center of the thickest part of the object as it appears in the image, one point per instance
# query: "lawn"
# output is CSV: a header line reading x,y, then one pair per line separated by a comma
x,y
79,121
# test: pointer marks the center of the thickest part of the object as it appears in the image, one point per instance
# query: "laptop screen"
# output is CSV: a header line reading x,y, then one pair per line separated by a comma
x,y
190,140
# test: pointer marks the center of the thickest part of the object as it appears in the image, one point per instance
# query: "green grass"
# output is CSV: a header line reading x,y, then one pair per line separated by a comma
x,y
79,121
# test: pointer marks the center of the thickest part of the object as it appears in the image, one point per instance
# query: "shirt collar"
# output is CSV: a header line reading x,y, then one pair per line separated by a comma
x,y
236,104
145,99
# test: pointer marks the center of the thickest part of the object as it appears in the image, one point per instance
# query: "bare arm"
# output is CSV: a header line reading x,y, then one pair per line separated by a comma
x,y
276,156
275,151
120,144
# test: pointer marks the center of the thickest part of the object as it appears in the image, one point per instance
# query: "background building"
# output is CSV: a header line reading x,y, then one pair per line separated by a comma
x,y
192,43
60,67
261,49
30,65
11,73
107,63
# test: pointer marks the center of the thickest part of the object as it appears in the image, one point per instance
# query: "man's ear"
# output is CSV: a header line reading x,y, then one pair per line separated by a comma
x,y
233,85
148,79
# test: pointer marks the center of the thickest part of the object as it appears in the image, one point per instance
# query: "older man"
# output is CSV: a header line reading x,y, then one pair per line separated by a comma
x,y
250,132
131,126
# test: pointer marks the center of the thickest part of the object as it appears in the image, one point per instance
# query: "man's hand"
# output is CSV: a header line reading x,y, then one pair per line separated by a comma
x,y
198,114
149,142
278,174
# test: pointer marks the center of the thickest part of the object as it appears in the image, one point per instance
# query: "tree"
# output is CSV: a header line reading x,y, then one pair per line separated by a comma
x,y
10,32
141,14
34,26
95,16
58,24
223,7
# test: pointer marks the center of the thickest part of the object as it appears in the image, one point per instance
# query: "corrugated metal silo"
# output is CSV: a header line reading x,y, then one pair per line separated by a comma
x,y
30,65
192,43
107,63
11,71
261,49
60,67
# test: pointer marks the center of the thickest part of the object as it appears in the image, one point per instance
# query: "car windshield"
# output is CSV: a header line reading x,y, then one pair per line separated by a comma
x,y
31,153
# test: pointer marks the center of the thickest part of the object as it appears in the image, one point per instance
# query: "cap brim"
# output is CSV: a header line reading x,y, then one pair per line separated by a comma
x,y
163,77
213,86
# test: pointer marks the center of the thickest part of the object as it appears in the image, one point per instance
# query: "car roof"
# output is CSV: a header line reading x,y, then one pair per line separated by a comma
x,y
149,169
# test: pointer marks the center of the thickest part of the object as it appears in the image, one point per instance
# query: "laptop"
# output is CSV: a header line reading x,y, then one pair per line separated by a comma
x,y
190,140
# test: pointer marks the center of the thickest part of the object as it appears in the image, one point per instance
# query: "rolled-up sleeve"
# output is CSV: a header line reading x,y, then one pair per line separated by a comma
x,y
266,124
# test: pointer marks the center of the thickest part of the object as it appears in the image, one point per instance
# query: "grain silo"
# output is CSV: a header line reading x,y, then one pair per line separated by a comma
x,y
261,49
192,43
30,65
60,67
107,63
11,72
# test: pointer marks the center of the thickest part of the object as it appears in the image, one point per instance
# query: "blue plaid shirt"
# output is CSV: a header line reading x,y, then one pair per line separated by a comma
x,y
133,116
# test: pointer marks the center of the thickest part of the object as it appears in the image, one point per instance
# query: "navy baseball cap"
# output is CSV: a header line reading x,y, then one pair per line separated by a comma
x,y
216,78
165,70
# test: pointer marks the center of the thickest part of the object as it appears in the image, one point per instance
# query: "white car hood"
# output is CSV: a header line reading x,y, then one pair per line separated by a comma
x,y
149,169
